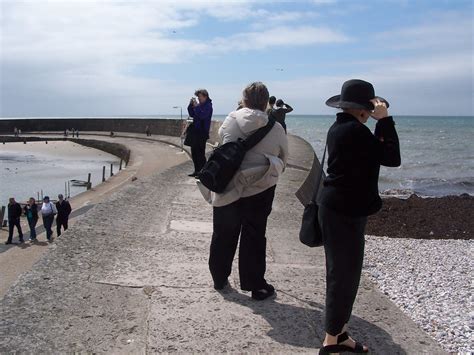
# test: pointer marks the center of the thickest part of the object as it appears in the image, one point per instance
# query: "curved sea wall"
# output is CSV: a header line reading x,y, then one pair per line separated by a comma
x,y
157,126
168,127
117,149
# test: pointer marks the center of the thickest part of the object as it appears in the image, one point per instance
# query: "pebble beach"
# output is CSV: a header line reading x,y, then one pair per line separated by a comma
x,y
431,281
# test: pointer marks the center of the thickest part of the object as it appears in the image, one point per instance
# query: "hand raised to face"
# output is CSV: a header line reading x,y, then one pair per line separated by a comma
x,y
380,109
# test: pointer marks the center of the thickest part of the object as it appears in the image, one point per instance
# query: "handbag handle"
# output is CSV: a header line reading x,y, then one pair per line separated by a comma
x,y
320,175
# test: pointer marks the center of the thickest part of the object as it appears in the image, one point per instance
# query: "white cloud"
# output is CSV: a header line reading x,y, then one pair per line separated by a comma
x,y
70,58
279,36
324,2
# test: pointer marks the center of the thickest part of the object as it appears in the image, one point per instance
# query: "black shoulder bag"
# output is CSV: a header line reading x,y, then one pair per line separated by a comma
x,y
190,135
224,162
310,232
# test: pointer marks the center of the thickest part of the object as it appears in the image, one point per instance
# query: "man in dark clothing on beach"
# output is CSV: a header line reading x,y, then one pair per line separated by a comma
x,y
201,112
279,113
64,210
14,213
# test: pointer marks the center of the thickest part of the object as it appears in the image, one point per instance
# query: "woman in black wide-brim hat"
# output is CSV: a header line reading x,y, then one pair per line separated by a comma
x,y
349,195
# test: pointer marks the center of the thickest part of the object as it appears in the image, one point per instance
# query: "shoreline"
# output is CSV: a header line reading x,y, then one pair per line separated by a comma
x,y
42,167
18,259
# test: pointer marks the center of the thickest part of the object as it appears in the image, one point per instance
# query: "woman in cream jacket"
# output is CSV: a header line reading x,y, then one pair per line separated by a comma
x,y
243,208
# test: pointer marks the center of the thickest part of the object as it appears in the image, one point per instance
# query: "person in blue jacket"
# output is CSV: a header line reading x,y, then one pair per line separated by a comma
x,y
201,112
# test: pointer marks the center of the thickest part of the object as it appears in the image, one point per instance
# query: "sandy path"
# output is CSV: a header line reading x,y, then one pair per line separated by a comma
x,y
147,158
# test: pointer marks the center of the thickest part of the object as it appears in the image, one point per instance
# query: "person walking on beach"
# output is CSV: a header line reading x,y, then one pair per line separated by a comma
x,y
350,194
15,132
243,208
31,213
201,112
48,211
279,113
147,131
64,210
14,214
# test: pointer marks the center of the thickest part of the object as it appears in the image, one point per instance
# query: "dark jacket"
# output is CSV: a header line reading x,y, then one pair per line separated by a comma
x,y
279,114
64,209
34,211
202,115
14,211
355,156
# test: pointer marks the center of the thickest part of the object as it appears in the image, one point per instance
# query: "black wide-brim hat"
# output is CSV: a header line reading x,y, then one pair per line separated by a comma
x,y
355,93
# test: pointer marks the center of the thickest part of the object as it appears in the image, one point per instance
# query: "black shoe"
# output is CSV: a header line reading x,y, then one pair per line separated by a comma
x,y
221,286
339,348
262,294
193,174
21,241
8,242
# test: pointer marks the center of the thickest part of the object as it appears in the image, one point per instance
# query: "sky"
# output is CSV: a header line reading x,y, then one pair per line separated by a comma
x,y
111,58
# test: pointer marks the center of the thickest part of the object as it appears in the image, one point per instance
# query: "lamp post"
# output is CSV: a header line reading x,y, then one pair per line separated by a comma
x,y
182,124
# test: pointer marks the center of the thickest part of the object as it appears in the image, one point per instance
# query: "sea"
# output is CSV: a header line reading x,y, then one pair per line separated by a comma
x,y
437,155
31,170
437,152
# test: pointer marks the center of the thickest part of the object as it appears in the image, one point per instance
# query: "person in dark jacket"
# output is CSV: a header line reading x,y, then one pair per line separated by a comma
x,y
271,104
64,210
350,194
14,214
31,213
201,112
279,113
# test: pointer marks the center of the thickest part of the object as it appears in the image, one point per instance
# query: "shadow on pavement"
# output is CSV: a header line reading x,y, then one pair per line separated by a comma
x,y
304,326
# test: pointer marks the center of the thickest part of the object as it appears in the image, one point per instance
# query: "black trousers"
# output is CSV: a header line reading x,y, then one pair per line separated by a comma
x,y
61,222
246,218
344,241
198,153
12,223
48,223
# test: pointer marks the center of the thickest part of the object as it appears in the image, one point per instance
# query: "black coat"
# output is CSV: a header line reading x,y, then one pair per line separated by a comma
x,y
34,211
14,211
64,209
355,156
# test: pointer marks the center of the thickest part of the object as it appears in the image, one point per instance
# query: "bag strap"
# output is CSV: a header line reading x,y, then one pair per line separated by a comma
x,y
255,138
320,175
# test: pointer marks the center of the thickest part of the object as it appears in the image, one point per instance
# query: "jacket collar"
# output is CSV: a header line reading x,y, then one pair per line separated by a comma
x,y
345,117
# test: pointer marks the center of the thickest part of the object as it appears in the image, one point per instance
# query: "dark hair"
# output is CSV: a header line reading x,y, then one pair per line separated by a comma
x,y
279,103
202,92
255,96
272,100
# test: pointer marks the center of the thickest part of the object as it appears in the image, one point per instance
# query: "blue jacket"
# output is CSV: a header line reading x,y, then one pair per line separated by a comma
x,y
202,115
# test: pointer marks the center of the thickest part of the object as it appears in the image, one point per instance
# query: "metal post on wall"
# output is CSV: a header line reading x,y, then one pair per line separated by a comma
x,y
120,166
103,173
111,169
89,184
2,215
182,125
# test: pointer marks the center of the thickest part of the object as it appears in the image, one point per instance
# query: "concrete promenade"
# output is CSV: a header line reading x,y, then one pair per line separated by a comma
x,y
131,276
